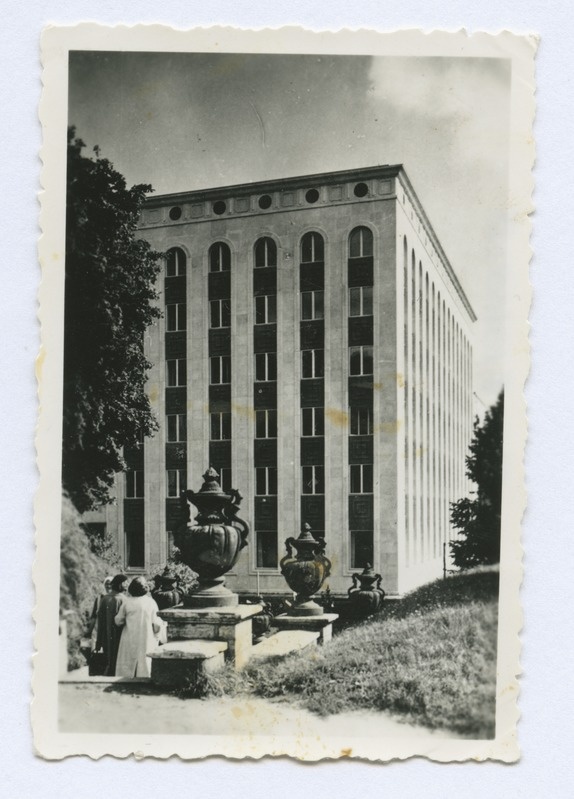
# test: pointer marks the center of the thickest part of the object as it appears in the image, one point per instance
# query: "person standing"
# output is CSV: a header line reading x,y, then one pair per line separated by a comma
x,y
108,635
93,621
141,627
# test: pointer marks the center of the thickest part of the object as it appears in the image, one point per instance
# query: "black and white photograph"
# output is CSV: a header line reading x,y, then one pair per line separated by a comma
x,y
284,314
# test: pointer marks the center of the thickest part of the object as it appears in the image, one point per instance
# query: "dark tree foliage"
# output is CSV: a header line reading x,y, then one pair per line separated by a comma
x,y
109,296
477,519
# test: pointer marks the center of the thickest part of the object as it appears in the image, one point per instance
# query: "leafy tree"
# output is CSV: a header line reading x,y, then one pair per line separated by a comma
x,y
477,519
109,296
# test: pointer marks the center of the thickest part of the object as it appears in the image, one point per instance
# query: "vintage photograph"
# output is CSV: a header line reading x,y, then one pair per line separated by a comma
x,y
284,330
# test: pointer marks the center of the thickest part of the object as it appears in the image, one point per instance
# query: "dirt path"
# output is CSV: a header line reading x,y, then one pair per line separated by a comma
x,y
121,708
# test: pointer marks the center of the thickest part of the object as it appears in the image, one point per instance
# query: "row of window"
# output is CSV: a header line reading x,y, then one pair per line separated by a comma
x,y
312,307
361,548
312,366
312,480
361,542
312,424
312,250
361,363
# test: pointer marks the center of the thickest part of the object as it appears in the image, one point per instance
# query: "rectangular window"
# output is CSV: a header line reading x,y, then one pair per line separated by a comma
x,y
266,309
266,424
312,422
176,482
312,305
361,475
177,372
134,483
220,426
313,479
312,363
361,421
361,548
176,427
175,314
220,369
265,481
265,366
361,360
135,549
224,479
361,301
267,555
220,313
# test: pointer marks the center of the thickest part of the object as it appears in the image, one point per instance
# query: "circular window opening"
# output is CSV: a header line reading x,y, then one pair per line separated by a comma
x,y
265,202
361,190
219,207
312,196
175,213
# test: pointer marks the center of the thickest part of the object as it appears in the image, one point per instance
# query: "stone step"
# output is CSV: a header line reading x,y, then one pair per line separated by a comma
x,y
322,624
284,643
190,649
179,662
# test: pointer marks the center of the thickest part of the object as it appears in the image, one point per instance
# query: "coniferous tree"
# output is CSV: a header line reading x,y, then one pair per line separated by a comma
x,y
477,519
109,303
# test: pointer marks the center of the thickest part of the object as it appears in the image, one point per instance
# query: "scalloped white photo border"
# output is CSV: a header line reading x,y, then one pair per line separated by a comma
x,y
56,43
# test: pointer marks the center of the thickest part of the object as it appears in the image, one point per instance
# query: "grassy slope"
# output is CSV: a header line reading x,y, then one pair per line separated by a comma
x,y
431,657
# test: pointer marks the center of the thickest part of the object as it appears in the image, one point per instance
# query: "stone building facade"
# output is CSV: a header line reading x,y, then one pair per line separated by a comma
x,y
315,348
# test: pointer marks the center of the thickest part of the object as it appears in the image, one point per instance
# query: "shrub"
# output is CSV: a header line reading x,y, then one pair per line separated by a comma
x,y
104,546
81,576
186,577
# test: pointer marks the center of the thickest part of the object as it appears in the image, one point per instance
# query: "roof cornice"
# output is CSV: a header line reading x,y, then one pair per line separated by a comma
x,y
279,184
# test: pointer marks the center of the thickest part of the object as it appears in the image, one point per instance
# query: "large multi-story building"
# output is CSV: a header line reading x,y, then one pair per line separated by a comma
x,y
314,349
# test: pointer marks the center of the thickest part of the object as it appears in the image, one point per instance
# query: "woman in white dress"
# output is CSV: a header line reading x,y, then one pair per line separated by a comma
x,y
138,616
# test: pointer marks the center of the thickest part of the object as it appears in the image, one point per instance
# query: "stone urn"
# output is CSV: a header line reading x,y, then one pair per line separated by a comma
x,y
166,592
211,543
306,571
366,595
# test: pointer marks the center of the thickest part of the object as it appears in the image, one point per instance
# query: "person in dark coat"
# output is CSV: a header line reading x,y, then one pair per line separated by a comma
x,y
109,634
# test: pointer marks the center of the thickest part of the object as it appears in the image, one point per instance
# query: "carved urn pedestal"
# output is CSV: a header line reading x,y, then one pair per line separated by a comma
x,y
232,625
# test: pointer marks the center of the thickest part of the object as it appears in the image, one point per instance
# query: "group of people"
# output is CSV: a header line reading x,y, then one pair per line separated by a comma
x,y
127,626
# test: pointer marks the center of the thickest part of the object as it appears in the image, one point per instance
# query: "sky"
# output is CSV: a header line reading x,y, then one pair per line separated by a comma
x,y
185,121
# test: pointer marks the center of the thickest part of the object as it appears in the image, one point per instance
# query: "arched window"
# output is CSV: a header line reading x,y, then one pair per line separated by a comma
x,y
219,257
265,252
176,262
312,248
360,243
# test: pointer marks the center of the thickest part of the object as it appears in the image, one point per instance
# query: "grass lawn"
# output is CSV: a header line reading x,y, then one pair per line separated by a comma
x,y
429,657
